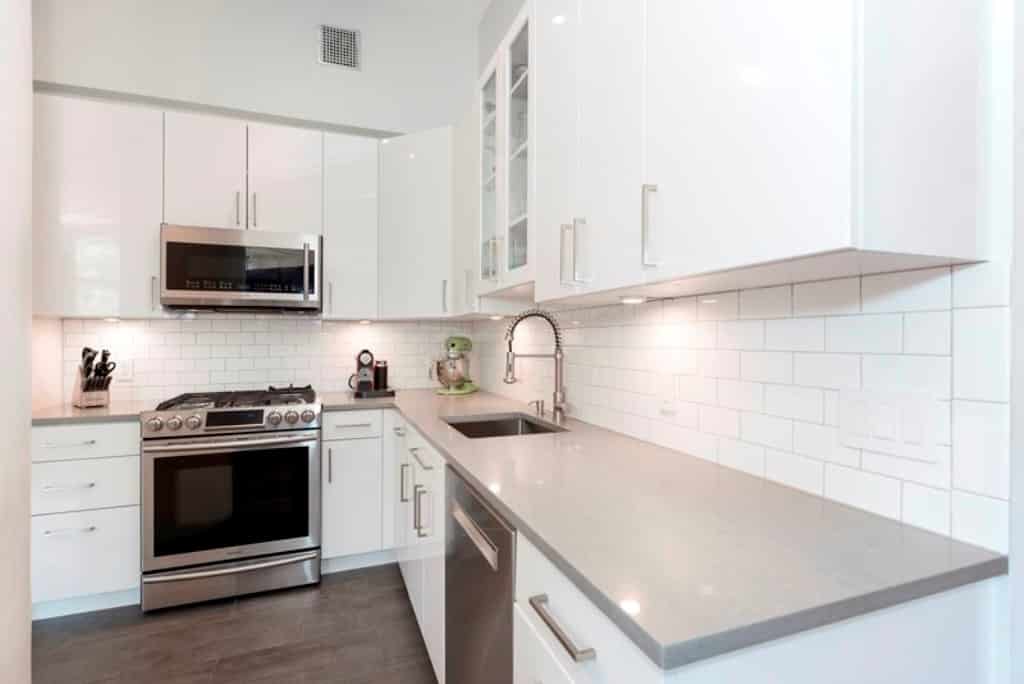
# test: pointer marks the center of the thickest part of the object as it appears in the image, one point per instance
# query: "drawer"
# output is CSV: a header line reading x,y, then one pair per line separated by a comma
x,y
63,486
91,552
616,658
92,440
535,662
352,424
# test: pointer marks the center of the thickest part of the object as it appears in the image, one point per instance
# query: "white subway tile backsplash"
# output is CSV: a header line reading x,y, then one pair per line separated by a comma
x,y
741,335
741,456
981,448
720,421
693,442
795,471
981,354
795,334
822,442
928,333
984,284
892,373
719,363
767,430
981,520
937,473
829,371
736,394
697,389
925,290
926,508
776,367
859,489
721,306
825,297
873,334
769,302
800,403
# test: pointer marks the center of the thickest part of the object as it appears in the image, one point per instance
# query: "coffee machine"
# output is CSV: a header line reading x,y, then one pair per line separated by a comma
x,y
370,381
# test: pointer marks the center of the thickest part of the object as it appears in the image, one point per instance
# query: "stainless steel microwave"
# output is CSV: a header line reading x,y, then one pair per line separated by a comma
x,y
225,268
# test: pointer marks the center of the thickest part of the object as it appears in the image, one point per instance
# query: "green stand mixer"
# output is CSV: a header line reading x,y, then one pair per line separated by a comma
x,y
453,370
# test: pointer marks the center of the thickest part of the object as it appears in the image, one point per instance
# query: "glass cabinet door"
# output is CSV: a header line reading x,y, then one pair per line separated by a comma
x,y
489,179
518,65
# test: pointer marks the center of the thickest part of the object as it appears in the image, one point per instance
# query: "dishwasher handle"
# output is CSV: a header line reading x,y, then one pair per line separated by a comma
x,y
481,541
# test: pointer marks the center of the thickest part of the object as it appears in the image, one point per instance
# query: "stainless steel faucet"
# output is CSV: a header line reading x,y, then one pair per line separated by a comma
x,y
558,405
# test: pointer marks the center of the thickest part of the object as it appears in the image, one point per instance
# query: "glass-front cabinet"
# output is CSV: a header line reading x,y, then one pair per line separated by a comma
x,y
506,173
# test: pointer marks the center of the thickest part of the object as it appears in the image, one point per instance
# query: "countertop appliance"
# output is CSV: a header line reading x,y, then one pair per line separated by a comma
x,y
479,589
226,268
230,495
452,371
370,381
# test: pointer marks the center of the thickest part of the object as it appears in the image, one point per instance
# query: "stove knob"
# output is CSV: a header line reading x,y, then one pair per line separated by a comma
x,y
308,416
292,417
274,418
155,424
193,422
174,423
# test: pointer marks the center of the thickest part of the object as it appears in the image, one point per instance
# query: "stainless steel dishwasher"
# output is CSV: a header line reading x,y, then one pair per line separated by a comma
x,y
479,589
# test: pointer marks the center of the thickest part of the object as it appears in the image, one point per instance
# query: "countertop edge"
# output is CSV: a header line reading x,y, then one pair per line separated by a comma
x,y
672,656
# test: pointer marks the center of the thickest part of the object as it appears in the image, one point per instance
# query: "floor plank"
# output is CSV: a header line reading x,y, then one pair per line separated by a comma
x,y
354,628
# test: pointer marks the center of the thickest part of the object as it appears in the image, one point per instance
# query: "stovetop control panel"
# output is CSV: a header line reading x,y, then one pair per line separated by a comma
x,y
191,422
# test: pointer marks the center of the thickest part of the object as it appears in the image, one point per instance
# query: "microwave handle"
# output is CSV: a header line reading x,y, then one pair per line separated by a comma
x,y
305,271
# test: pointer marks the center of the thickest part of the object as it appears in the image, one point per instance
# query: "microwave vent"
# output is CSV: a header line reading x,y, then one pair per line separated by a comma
x,y
340,47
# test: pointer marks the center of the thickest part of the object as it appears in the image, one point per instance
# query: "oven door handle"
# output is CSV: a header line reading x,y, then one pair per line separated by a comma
x,y
232,444
180,577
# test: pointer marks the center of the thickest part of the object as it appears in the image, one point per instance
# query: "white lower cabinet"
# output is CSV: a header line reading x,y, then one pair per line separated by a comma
x,y
84,553
351,501
535,662
63,486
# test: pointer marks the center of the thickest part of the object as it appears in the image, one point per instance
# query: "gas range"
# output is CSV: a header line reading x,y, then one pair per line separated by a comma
x,y
199,413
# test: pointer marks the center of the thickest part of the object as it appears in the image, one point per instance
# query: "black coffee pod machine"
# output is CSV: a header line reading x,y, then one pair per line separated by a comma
x,y
370,381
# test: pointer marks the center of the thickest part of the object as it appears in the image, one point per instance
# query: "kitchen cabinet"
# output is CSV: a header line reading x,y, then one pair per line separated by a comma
x,y
767,168
351,497
506,173
97,206
205,161
285,179
416,221
221,172
534,661
351,268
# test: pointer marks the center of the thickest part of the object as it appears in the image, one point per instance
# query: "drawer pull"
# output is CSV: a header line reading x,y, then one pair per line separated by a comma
x,y
399,432
417,509
540,604
88,442
69,530
353,425
415,451
68,488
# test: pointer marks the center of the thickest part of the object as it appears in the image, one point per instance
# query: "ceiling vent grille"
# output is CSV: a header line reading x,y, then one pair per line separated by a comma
x,y
340,47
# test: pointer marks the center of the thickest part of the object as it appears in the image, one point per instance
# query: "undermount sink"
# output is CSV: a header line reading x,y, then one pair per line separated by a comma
x,y
501,425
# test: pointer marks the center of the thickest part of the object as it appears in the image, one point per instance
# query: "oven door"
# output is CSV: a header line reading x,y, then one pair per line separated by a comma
x,y
227,268
212,499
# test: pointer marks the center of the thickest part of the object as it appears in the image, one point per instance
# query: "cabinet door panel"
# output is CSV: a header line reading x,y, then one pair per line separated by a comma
x,y
204,170
350,226
285,179
351,501
534,661
748,131
416,173
97,203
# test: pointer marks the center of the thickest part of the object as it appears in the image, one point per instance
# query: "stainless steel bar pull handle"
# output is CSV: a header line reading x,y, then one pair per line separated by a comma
x,y
238,207
399,432
565,234
70,530
154,288
401,484
254,210
68,488
417,509
444,296
305,269
353,426
231,571
540,604
330,465
88,442
481,541
645,191
415,451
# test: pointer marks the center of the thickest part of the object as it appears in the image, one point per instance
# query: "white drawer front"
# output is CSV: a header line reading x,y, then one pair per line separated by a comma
x,y
616,658
86,440
62,486
92,552
351,424
535,663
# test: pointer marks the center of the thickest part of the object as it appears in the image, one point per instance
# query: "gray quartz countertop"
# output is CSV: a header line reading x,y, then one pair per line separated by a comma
x,y
66,413
716,560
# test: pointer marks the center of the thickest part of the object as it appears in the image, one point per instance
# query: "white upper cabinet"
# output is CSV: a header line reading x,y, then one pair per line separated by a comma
x,y
204,171
285,179
97,206
416,221
722,136
350,227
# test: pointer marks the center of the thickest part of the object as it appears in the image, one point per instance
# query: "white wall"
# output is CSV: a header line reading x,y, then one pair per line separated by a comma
x,y
752,380
15,302
261,56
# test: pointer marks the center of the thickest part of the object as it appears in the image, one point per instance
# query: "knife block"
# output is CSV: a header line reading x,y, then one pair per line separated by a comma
x,y
83,399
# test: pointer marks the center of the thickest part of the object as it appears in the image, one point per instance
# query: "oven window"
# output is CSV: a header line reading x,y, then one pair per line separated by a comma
x,y
231,268
205,502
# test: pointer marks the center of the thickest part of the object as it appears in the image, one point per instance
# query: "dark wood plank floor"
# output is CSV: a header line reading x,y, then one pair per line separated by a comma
x,y
355,628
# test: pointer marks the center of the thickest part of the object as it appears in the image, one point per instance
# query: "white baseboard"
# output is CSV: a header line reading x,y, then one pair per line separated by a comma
x,y
364,560
85,604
